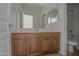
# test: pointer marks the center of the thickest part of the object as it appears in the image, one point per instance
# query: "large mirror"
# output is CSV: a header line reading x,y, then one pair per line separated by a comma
x,y
35,16
52,16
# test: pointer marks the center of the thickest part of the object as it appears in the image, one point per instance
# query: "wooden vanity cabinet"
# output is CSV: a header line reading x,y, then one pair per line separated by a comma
x,y
44,45
54,44
27,44
18,45
33,46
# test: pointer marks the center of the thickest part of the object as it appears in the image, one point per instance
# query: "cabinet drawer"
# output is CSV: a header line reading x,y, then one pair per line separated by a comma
x,y
31,35
45,34
17,35
55,34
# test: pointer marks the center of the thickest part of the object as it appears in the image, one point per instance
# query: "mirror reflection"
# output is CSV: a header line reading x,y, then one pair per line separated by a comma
x,y
37,16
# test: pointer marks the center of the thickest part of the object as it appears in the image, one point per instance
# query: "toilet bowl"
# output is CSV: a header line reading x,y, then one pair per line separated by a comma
x,y
72,44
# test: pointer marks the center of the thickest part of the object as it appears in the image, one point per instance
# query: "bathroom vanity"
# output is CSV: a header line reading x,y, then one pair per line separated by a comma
x,y
35,43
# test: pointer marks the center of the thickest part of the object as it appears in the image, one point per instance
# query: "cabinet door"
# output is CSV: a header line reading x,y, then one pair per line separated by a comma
x,y
44,44
27,49
33,45
18,47
54,44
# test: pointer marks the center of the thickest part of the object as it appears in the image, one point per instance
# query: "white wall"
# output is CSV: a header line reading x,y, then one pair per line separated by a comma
x,y
76,21
14,16
70,20
73,21
4,30
63,28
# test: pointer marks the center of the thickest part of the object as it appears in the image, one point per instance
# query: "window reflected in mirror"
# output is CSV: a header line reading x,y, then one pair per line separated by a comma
x,y
27,21
52,20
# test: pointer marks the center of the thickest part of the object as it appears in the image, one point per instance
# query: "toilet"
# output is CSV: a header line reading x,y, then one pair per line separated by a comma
x,y
71,46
